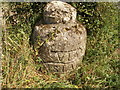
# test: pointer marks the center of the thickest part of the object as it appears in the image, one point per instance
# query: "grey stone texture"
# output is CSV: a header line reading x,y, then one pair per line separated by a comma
x,y
60,45
59,12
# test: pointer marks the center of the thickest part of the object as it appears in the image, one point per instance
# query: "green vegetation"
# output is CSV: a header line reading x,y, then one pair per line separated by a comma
x,y
101,64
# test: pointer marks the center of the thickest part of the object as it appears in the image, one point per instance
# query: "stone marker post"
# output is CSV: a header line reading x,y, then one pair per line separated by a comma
x,y
59,38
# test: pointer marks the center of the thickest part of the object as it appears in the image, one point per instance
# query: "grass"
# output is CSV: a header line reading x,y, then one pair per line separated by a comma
x,y
100,67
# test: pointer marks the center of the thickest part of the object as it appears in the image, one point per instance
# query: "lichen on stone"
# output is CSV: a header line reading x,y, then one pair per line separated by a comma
x,y
63,42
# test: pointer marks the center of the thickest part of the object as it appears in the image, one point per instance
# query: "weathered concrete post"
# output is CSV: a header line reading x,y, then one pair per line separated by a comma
x,y
60,39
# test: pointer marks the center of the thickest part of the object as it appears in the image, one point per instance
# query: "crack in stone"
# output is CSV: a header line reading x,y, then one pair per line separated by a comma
x,y
62,63
67,51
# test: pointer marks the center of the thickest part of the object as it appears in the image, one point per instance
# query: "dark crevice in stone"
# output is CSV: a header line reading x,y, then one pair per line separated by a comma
x,y
52,62
66,51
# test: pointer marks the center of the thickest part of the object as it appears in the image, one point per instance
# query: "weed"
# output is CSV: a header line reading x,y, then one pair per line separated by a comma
x,y
100,67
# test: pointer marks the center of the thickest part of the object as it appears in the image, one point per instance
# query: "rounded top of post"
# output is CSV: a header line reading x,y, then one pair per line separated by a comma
x,y
59,12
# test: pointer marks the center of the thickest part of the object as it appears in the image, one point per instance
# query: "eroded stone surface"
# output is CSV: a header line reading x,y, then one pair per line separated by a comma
x,y
60,45
59,12
63,67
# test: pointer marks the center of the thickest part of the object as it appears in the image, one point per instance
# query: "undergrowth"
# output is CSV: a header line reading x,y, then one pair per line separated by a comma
x,y
100,67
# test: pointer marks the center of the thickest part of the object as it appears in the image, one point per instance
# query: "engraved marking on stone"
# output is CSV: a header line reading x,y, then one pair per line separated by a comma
x,y
64,38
